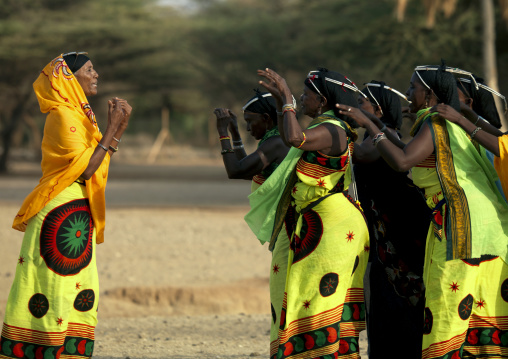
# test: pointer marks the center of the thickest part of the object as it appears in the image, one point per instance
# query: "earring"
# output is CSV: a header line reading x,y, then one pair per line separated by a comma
x,y
320,109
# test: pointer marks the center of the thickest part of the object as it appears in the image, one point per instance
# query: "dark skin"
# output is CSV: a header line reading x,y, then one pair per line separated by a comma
x,y
327,138
420,147
239,165
366,152
119,112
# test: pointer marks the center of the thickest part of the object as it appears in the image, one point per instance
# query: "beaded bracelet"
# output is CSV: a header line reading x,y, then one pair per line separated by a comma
x,y
222,138
102,146
227,150
475,131
288,110
304,139
380,136
114,149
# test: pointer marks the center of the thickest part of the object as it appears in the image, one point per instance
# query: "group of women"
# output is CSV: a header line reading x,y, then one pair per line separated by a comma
x,y
434,269
432,291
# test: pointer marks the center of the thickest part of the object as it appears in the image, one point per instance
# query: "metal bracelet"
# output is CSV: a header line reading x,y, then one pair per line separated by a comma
x,y
377,138
103,147
474,132
117,139
227,150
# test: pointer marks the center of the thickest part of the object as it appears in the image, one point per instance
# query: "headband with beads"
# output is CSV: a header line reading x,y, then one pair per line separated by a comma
x,y
453,70
486,88
264,95
370,84
254,100
351,86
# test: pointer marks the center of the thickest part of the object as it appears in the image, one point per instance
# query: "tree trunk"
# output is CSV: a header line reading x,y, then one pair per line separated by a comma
x,y
489,54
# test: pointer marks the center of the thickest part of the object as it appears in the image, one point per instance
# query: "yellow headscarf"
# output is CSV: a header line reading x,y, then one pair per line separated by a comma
x,y
70,137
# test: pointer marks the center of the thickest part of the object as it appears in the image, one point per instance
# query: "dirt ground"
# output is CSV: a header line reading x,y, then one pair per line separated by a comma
x,y
181,274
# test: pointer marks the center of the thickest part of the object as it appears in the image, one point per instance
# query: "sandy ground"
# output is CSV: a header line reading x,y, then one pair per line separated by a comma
x,y
182,276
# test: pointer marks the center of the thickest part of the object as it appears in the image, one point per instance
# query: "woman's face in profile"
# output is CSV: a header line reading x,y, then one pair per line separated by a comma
x,y
256,124
87,78
310,102
416,93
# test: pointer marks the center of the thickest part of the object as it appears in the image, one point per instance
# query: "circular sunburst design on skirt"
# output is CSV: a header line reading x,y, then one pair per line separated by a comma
x,y
84,300
328,284
66,237
310,236
466,307
38,305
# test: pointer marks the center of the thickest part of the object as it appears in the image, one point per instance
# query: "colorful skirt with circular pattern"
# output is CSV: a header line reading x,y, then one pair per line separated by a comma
x,y
52,307
318,309
466,302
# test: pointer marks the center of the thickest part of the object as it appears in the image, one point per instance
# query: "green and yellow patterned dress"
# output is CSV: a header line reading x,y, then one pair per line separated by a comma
x,y
318,273
465,273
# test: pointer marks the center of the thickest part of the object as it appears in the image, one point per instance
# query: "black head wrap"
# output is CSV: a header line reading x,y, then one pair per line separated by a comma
x,y
264,103
332,91
75,60
389,102
483,100
442,83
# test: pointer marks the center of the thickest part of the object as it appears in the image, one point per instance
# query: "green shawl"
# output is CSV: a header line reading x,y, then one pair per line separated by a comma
x,y
476,221
269,203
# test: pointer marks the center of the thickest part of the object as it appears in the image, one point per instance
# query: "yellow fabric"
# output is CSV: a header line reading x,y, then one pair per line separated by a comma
x,y
449,284
67,313
324,290
278,271
501,163
70,137
327,252
451,288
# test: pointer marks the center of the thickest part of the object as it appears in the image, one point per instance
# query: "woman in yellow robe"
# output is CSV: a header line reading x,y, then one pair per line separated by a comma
x,y
306,198
52,307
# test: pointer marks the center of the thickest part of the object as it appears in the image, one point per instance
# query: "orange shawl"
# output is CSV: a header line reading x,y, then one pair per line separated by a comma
x,y
70,137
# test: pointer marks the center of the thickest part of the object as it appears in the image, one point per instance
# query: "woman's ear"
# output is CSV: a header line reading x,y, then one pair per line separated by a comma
x,y
469,102
268,120
377,111
323,100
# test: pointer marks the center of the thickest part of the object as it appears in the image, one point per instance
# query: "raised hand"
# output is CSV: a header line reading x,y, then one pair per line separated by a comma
x,y
233,124
447,112
276,85
127,110
224,118
115,113
355,113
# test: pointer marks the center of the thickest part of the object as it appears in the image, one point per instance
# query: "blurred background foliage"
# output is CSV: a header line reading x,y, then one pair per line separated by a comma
x,y
205,54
